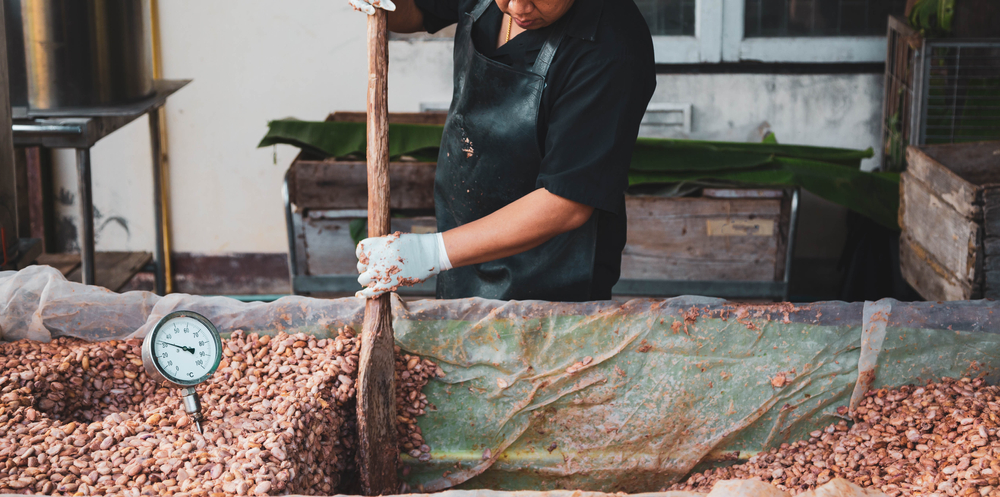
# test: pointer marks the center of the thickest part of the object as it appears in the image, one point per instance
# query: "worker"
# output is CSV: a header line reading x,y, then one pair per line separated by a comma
x,y
533,164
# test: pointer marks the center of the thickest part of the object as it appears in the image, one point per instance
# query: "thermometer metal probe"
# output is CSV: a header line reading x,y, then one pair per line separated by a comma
x,y
182,351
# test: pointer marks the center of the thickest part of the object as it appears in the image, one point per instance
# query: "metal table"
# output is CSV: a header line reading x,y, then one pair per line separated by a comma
x,y
80,129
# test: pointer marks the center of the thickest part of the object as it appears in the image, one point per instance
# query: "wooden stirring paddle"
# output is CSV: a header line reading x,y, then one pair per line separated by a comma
x,y
377,451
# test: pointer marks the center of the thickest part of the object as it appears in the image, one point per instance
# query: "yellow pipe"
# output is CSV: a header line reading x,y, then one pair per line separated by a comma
x,y
161,114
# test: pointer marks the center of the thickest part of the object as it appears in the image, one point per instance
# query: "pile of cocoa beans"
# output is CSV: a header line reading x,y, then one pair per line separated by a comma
x,y
83,418
936,439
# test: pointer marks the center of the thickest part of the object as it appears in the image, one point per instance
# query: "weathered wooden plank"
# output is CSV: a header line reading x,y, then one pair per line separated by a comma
x,y
928,276
119,270
113,270
943,232
230,274
344,185
976,163
331,250
64,263
955,191
701,238
437,118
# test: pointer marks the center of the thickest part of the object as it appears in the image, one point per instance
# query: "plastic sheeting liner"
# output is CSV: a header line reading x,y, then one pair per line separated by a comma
x,y
598,395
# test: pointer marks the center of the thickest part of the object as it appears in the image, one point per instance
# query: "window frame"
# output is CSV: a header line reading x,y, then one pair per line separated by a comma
x,y
719,37
706,44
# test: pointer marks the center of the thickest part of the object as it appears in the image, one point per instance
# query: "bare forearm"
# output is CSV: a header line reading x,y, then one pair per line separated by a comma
x,y
523,225
407,18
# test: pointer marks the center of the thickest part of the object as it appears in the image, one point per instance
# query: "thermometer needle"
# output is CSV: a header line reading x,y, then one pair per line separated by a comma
x,y
185,349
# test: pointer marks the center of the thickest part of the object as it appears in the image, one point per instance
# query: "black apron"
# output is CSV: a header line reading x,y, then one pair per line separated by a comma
x,y
489,158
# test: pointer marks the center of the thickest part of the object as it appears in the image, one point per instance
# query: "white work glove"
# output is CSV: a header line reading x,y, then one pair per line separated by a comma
x,y
388,262
368,6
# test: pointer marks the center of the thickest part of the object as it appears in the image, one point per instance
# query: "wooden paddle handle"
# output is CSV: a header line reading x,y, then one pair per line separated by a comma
x,y
377,450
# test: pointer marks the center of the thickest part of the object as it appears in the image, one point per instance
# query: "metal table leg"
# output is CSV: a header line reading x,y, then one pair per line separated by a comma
x,y
86,215
790,246
154,135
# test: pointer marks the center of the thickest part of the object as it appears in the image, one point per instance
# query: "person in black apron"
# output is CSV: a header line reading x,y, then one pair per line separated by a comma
x,y
533,164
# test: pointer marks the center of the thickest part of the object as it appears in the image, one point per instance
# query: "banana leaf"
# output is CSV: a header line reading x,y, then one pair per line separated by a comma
x,y
340,139
831,173
659,154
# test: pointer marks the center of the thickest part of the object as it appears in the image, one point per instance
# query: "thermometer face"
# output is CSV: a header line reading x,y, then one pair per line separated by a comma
x,y
184,348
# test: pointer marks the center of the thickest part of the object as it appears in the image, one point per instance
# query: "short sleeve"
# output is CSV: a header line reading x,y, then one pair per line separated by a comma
x,y
592,127
438,14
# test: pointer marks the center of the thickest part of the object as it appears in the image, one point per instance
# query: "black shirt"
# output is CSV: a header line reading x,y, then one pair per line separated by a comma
x,y
597,89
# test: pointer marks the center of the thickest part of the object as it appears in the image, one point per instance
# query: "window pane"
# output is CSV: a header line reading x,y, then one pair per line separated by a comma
x,y
819,17
668,17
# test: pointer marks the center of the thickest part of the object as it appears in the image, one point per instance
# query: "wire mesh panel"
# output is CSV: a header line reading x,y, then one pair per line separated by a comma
x,y
897,107
961,92
937,91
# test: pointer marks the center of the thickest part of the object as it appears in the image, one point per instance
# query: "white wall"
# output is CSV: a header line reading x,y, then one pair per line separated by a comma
x,y
259,60
822,110
251,61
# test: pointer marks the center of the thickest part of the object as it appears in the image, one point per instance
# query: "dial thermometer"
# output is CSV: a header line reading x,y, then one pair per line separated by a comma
x,y
181,351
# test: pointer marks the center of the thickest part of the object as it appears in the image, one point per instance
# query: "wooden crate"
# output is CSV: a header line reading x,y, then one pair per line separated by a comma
x,y
724,235
949,212
326,195
727,242
329,194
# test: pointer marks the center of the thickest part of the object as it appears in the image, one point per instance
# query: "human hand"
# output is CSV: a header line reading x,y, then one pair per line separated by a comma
x,y
388,262
368,6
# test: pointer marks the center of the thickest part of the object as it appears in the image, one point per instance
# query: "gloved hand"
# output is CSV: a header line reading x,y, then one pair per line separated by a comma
x,y
388,262
368,6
